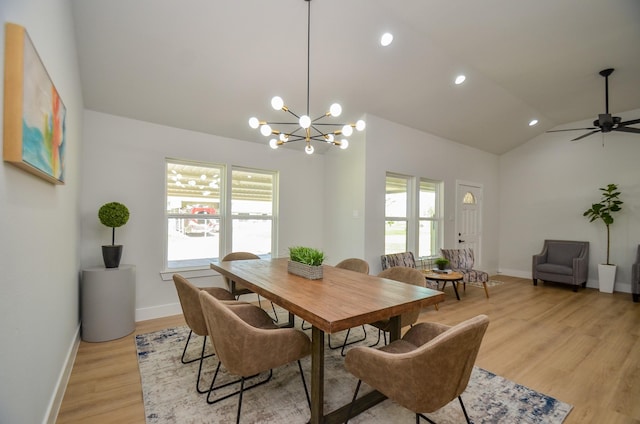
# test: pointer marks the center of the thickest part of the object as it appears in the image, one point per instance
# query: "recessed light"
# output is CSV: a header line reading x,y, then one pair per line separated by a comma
x,y
386,39
460,79
533,122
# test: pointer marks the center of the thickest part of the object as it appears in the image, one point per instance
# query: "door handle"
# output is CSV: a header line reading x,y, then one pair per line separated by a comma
x,y
460,241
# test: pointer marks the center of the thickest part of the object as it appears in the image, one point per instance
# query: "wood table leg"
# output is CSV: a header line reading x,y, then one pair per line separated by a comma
x,y
317,376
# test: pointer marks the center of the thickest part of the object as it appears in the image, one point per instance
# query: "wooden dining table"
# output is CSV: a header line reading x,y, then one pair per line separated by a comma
x,y
342,299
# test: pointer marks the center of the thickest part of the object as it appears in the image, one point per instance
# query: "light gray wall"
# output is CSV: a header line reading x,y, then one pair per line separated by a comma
x,y
39,250
395,148
547,184
124,161
344,211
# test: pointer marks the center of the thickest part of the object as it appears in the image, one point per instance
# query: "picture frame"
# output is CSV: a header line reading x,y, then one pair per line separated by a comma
x,y
34,114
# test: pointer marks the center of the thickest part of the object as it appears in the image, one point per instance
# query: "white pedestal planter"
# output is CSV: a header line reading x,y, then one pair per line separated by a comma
x,y
606,277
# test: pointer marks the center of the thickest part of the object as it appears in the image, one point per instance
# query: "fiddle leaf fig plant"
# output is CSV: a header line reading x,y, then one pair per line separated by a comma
x,y
609,203
113,215
306,255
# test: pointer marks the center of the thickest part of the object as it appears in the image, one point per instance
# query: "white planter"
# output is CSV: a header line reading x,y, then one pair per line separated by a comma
x,y
606,277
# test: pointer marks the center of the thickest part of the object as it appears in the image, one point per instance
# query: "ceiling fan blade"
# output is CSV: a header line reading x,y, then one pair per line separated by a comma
x,y
574,129
585,135
627,129
633,121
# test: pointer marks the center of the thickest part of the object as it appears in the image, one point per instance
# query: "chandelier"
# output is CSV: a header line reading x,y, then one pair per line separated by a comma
x,y
304,128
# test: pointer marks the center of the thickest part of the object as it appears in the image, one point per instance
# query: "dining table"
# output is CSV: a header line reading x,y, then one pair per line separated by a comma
x,y
340,300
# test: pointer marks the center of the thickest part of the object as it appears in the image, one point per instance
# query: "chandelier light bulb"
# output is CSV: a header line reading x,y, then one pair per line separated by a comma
x,y
277,102
265,130
386,39
305,122
335,109
253,122
309,149
330,138
460,79
284,137
273,143
360,125
344,143
347,130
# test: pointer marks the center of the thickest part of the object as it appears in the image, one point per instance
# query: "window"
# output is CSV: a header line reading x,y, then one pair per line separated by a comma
x,y
396,209
413,217
252,211
429,219
197,218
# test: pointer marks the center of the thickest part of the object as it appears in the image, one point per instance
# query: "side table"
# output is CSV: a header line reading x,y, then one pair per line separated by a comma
x,y
108,297
454,277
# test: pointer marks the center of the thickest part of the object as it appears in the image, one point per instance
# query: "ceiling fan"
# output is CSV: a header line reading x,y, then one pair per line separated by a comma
x,y
605,122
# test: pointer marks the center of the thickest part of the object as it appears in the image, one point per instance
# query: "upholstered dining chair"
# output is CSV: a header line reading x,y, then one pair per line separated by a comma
x,y
462,261
406,275
398,259
237,289
247,343
424,370
192,311
356,265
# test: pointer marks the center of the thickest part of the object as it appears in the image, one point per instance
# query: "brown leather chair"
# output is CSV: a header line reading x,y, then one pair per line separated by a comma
x,y
356,265
406,275
192,311
247,343
426,369
238,289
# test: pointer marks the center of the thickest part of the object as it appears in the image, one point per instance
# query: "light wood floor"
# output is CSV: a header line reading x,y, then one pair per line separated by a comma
x,y
582,348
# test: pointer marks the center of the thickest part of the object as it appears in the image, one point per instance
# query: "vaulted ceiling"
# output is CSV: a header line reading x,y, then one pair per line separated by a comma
x,y
209,65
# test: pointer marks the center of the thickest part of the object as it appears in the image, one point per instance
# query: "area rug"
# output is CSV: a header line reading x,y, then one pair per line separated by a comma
x,y
170,396
490,283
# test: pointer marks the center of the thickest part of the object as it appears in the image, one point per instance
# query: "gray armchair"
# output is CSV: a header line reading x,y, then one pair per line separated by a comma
x,y
635,277
562,261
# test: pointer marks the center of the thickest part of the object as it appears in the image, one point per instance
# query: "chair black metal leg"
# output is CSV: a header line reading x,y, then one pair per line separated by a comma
x,y
240,400
418,416
214,388
464,410
346,342
303,327
355,395
199,358
304,383
204,346
378,340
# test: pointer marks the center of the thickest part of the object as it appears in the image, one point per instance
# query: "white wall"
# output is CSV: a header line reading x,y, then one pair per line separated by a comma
x,y
395,148
39,235
124,161
547,184
344,211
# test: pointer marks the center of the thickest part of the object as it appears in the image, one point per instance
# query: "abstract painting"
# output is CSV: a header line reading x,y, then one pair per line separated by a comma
x,y
34,114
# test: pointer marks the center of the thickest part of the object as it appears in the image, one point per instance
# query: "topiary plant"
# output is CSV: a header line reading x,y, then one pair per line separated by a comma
x,y
113,215
306,255
441,263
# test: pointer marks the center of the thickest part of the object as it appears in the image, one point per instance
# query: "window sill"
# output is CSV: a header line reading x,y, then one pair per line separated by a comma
x,y
188,273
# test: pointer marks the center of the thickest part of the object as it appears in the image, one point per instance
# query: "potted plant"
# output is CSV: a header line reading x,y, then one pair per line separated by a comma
x,y
603,210
305,262
113,215
441,263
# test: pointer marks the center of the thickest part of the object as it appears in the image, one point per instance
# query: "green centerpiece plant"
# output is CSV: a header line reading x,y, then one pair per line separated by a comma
x,y
603,210
113,215
306,262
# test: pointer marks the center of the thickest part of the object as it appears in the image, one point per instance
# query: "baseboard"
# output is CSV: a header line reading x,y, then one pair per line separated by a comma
x,y
620,286
160,311
63,379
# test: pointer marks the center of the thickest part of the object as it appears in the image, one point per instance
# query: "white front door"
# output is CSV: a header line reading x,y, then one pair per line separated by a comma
x,y
468,217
